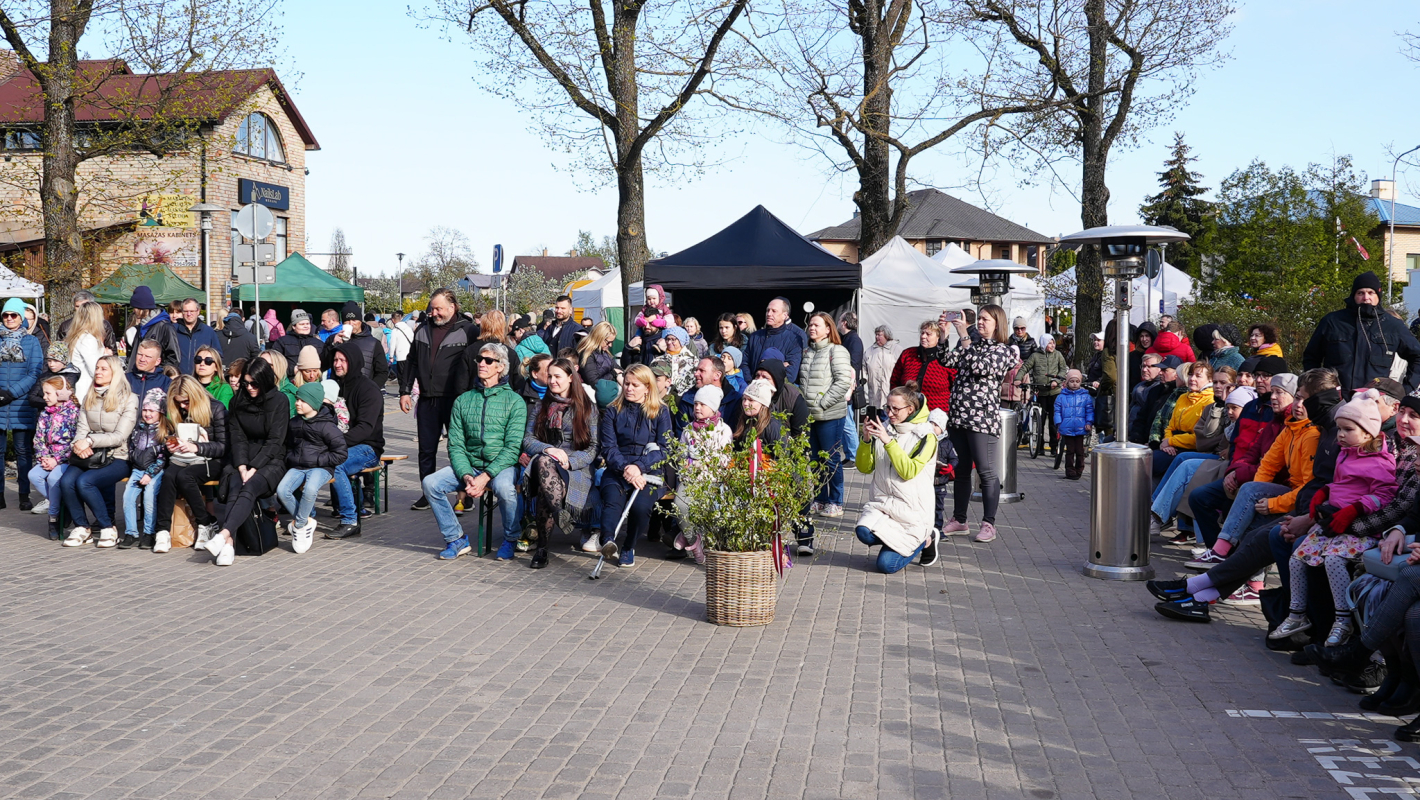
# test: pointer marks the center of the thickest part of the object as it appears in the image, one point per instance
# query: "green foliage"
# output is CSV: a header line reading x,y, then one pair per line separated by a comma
x,y
739,513
1061,260
1179,204
529,290
587,246
1294,315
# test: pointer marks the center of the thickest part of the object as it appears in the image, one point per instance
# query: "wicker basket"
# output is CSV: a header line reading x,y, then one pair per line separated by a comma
x,y
740,588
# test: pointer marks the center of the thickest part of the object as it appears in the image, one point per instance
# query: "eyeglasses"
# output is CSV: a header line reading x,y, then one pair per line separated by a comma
x,y
205,361
488,360
1021,328
899,409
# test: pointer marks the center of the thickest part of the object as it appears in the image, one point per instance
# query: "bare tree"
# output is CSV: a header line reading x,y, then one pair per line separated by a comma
x,y
591,68
340,252
1127,63
447,257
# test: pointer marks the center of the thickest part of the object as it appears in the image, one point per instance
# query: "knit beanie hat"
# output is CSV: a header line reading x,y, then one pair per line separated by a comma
x,y
607,391
58,351
1364,410
760,391
351,310
15,306
142,298
308,358
1241,396
735,354
1019,322
679,333
312,394
299,316
332,390
155,399
1286,382
711,396
937,417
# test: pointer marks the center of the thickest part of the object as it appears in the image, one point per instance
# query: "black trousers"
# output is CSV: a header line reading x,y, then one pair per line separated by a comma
x,y
431,419
242,497
187,481
979,449
1074,455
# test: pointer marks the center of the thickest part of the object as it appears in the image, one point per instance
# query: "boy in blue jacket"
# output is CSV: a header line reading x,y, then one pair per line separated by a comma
x,y
1074,419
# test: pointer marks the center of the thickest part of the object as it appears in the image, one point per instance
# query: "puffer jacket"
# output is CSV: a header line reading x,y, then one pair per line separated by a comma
x,y
17,378
1045,366
626,434
1169,343
1186,412
1256,430
105,429
1211,432
1364,478
903,502
486,430
1074,410
315,442
54,431
1025,345
826,377
1292,454
215,448
146,449
975,394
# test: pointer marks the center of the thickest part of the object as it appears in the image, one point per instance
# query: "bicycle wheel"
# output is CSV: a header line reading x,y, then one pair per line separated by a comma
x,y
1035,439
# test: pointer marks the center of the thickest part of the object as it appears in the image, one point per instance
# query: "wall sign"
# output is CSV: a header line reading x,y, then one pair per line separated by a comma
x,y
266,194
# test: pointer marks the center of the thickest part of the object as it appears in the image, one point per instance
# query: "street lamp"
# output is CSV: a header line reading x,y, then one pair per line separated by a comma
x,y
399,290
206,209
1390,256
1121,472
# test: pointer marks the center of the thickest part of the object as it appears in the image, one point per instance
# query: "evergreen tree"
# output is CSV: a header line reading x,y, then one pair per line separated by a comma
x,y
1180,205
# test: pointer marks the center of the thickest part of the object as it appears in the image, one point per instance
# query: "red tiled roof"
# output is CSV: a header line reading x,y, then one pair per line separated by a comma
x,y
109,92
558,267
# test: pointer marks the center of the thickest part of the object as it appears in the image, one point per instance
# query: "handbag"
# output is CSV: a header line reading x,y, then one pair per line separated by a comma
x,y
257,533
98,459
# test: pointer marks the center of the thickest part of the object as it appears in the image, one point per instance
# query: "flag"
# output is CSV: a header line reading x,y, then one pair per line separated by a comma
x,y
1360,249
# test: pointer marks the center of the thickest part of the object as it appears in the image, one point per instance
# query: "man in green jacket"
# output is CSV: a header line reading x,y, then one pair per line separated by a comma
x,y
485,436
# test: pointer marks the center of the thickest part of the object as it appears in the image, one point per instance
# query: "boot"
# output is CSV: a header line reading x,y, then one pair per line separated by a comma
x,y
54,532
1059,456
1409,732
1392,686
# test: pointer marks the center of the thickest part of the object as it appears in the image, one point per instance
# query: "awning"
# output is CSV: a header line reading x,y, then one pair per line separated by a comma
x,y
757,251
12,285
166,285
300,281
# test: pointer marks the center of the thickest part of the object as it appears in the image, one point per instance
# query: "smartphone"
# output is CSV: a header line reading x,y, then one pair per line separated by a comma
x,y
953,316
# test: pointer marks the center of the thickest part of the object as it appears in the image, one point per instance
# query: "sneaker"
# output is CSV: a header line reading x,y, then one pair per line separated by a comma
x,y
365,512
1244,596
628,559
1294,623
422,504
929,550
505,552
986,534
815,507
1340,631
1367,681
1205,562
1183,539
302,535
41,508
162,542
806,550
25,504
1187,609
832,510
610,551
199,539
77,537
1351,655
955,527
126,542
523,545
1168,591
344,531
1197,552
1156,525
108,537
225,556
459,509
592,543
455,549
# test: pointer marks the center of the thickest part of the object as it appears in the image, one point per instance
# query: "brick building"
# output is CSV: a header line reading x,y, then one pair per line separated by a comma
x,y
241,140
1407,230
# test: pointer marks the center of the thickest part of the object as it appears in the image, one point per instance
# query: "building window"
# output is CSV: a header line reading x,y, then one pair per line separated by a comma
x,y
934,246
281,251
1032,255
22,140
1005,252
258,137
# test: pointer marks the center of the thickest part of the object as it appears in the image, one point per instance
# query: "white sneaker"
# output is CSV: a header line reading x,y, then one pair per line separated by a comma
x,y
204,534
301,537
831,510
211,544
225,556
593,544
77,537
41,507
162,542
108,537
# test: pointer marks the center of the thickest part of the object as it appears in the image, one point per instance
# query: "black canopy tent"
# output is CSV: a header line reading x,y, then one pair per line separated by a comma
x,y
749,263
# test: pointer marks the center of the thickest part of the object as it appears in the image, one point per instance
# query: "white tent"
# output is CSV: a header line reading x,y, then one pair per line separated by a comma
x,y
1149,298
12,285
953,256
604,292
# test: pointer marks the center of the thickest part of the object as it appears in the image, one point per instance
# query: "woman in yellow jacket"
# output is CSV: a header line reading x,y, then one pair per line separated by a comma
x,y
1262,338
1178,434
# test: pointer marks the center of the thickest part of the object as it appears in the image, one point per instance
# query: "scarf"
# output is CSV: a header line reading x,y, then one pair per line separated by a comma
x,y
701,425
539,388
10,349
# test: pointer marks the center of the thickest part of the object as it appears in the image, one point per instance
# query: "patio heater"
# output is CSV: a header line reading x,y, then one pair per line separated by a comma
x,y
1121,472
206,210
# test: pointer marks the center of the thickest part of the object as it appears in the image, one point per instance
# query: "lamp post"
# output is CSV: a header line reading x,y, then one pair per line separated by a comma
x,y
1121,472
206,209
399,289
1390,255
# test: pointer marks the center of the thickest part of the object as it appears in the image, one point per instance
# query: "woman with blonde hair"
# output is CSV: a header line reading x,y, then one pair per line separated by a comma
x,y
594,355
494,328
745,323
86,345
278,363
100,453
634,434
195,456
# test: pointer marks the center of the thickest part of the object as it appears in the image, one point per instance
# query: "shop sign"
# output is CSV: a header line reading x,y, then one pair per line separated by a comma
x,y
266,194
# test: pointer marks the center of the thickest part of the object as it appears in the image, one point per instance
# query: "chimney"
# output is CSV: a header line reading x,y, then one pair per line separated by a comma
x,y
1383,189
544,251
9,64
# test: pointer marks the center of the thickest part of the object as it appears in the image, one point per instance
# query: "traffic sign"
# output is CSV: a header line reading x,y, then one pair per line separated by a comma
x,y
256,253
1153,262
248,273
497,258
254,221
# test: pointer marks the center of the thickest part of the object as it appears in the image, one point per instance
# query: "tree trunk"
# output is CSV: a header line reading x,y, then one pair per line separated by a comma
x,y
58,189
874,195
630,181
1094,194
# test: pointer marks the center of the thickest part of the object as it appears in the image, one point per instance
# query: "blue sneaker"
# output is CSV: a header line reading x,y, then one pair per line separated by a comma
x,y
628,559
505,552
455,549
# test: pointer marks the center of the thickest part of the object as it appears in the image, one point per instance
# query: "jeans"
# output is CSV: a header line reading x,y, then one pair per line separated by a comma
x,y
149,495
24,457
615,493
850,436
827,436
1208,502
92,488
981,449
1241,514
1169,493
438,487
306,481
358,458
431,419
889,560
47,481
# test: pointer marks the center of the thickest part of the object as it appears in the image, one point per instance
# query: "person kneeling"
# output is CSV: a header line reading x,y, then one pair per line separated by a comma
x,y
317,448
900,515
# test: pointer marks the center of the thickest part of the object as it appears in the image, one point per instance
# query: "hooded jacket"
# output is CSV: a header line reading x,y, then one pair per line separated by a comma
x,y
1361,343
445,372
237,341
1321,410
315,442
69,372
1225,357
1074,411
903,504
788,339
486,430
376,364
188,342
1364,478
1044,366
256,432
1169,343
1186,412
1292,454
290,346
158,328
787,397
274,328
364,400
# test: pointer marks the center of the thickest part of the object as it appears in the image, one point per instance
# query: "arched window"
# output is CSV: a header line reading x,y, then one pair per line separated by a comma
x,y
258,137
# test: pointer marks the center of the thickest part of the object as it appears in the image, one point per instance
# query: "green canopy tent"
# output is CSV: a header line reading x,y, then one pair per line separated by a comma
x,y
166,285
299,281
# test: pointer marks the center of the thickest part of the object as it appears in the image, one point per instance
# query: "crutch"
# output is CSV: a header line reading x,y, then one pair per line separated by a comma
x,y
651,480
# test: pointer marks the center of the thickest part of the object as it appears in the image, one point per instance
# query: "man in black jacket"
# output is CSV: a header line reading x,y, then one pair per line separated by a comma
x,y
364,441
1361,341
237,341
152,325
376,363
441,361
299,335
562,332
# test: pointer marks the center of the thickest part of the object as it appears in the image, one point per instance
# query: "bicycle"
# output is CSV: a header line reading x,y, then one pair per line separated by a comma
x,y
1033,422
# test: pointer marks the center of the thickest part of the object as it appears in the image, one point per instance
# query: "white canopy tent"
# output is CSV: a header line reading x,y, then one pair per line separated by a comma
x,y
1150,298
12,285
602,293
953,256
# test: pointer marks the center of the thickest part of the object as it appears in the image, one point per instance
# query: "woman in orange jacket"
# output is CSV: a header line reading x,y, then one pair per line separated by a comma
x,y
1178,434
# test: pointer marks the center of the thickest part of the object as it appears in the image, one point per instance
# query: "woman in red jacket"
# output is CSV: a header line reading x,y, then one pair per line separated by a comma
x,y
1172,342
921,364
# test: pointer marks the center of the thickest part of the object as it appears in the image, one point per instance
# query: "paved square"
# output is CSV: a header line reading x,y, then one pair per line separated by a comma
x,y
368,669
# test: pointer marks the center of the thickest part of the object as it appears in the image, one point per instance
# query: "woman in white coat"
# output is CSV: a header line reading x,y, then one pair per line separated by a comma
x,y
85,339
901,456
877,367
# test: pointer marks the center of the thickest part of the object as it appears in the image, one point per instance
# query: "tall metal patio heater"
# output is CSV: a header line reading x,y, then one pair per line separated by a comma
x,y
1120,472
993,279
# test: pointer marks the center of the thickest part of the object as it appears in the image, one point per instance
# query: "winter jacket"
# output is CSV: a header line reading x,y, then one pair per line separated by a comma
x,y
1321,410
141,382
275,330
1225,357
288,389
1044,366
324,333
1026,345
935,382
17,378
85,355
788,339
1144,402
376,362
54,431
1158,429
1256,430
147,449
1292,455
599,366
826,380
401,339
903,504
107,429
1186,412
625,435
1361,343
315,442
878,365
188,342
531,345
980,369
1074,411
256,430
215,448
364,401
69,373
447,372
1211,431
1365,478
1169,343
219,389
579,462
237,341
788,399
290,346
1375,524
158,328
564,337
486,430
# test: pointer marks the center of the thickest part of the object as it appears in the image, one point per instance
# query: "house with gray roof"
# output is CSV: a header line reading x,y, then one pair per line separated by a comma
x,y
1407,230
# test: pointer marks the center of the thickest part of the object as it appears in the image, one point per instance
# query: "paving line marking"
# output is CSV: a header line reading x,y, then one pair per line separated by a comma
x,y
1344,716
1348,761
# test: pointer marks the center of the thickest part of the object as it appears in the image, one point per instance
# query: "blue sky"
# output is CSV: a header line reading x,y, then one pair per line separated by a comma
x,y
409,141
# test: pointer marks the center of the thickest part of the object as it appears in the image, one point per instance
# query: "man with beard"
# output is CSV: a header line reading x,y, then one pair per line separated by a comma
x,y
439,361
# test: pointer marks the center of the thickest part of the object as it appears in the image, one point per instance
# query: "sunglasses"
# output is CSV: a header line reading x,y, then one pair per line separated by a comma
x,y
488,360
10,315
205,360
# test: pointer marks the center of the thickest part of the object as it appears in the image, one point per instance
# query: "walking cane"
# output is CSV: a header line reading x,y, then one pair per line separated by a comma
x,y
651,480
